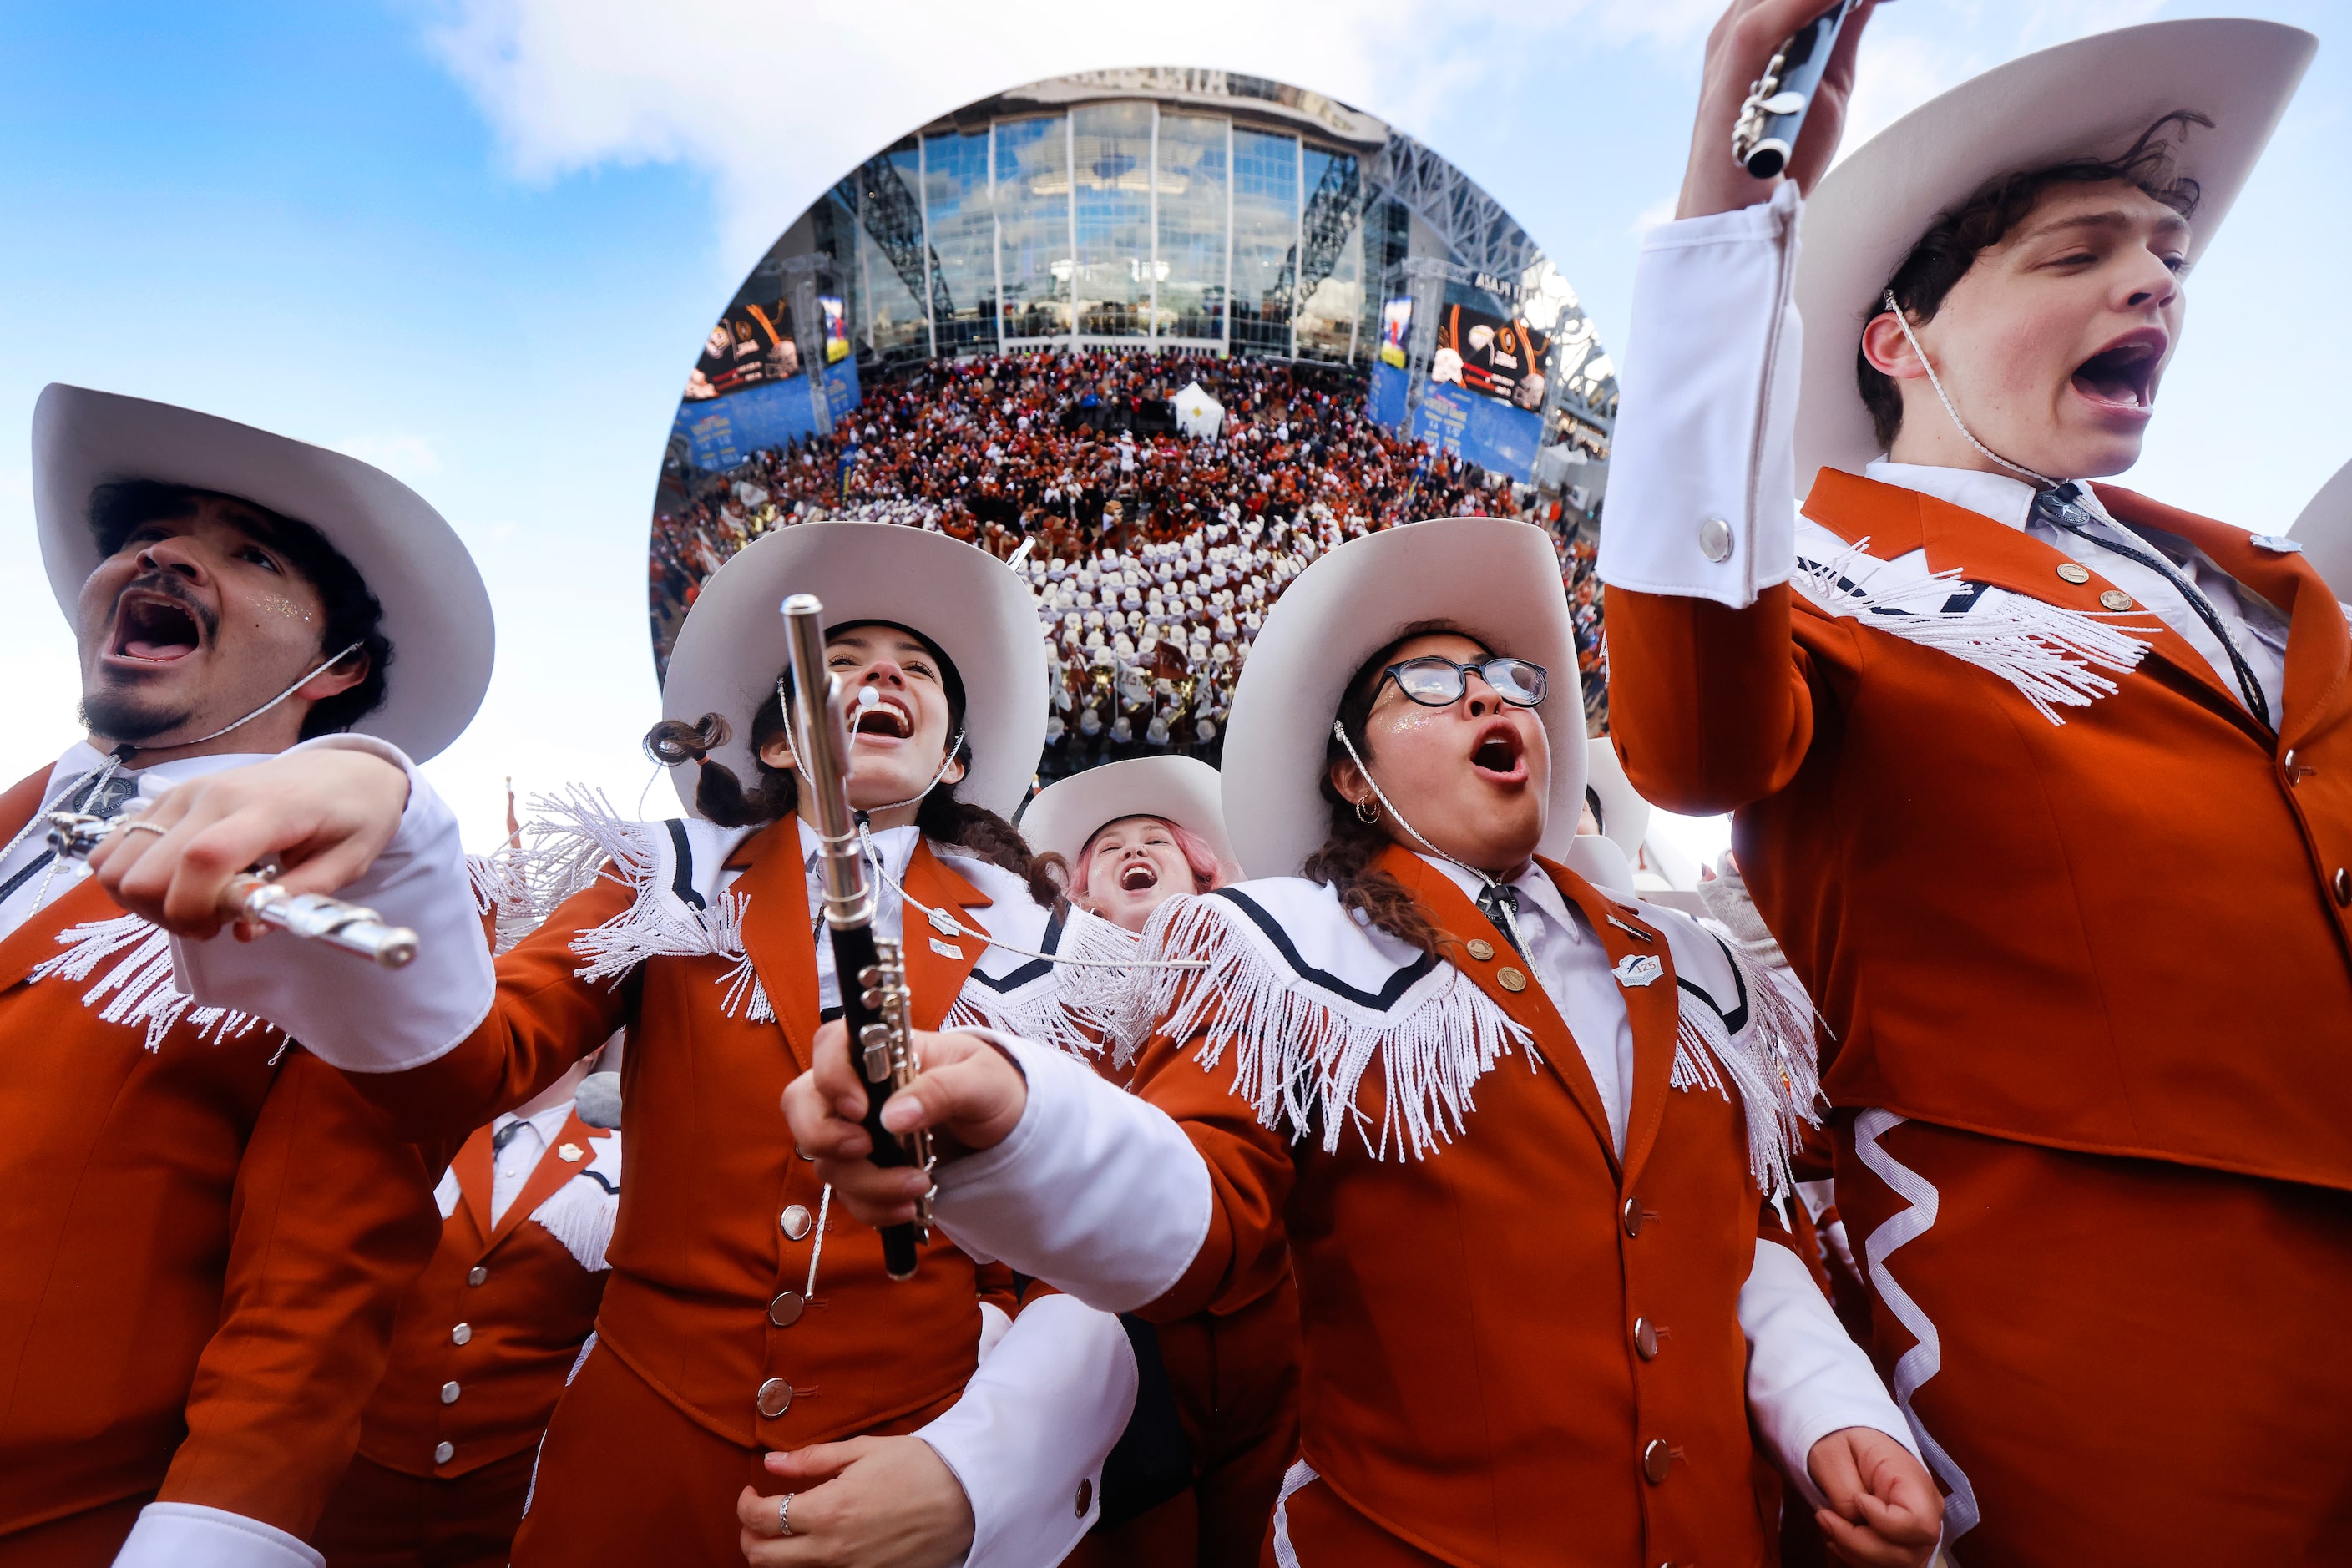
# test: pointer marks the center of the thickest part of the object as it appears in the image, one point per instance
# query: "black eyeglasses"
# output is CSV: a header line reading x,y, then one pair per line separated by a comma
x,y
1436,682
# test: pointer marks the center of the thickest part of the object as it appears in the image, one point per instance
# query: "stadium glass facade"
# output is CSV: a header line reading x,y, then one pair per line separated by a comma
x,y
1176,211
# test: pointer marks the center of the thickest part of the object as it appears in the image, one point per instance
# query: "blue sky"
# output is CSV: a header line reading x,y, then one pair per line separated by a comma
x,y
477,242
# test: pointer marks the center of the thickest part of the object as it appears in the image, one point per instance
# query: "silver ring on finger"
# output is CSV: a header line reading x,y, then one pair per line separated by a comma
x,y
784,1514
155,828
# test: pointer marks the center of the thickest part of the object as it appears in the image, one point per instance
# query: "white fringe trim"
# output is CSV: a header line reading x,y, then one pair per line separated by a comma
x,y
575,837
499,893
580,1215
2051,655
1077,1008
1300,1052
141,989
1771,1062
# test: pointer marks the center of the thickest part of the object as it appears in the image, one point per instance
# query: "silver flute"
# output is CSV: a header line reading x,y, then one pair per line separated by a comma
x,y
252,896
873,975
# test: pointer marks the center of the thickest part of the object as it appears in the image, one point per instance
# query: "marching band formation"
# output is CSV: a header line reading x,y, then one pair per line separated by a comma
x,y
1332,1158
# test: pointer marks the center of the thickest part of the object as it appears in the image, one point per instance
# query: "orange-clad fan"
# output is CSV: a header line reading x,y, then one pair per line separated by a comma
x,y
1134,836
484,1343
1515,1132
759,1383
2044,787
206,1232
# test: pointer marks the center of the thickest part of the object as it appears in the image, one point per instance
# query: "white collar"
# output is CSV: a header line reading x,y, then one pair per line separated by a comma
x,y
81,758
547,1123
1533,885
895,845
1997,496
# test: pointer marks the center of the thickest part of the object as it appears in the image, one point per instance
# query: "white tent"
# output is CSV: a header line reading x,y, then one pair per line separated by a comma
x,y
1197,413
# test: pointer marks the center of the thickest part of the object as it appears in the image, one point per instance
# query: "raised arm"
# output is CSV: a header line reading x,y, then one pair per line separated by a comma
x,y
1711,701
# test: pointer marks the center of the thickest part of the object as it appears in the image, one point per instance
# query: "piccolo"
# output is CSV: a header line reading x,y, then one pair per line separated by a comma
x,y
252,897
873,976
1765,138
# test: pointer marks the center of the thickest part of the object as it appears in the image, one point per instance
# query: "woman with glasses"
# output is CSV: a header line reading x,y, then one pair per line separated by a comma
x,y
1519,1137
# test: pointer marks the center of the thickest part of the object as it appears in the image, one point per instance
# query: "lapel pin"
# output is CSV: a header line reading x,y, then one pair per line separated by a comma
x,y
944,923
2276,543
1638,968
945,949
569,1153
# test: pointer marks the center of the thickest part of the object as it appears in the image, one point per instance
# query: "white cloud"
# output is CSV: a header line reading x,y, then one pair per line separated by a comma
x,y
775,106
405,458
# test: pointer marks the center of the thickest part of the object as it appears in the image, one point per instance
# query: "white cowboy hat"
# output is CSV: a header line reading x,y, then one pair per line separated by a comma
x,y
971,604
2324,531
2091,98
1061,817
1625,815
1497,579
436,613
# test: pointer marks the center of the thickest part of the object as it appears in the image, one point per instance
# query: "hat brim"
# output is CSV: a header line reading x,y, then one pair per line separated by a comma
x,y
1625,815
436,613
1497,579
1185,791
2323,529
976,609
2089,98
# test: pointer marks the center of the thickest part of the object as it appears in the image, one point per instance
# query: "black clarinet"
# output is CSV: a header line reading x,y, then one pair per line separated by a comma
x,y
1766,135
872,974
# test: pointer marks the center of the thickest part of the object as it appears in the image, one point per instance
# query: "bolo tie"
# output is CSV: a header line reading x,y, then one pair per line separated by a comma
x,y
2060,507
101,798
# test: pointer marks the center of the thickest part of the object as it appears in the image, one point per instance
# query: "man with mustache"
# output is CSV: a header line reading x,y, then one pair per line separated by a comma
x,y
2044,787
206,1230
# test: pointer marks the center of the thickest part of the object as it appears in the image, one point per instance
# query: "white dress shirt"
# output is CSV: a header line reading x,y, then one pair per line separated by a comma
x,y
1575,972
511,1165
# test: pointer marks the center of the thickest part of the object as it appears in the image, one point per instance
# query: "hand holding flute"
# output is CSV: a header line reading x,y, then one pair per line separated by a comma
x,y
1778,76
321,815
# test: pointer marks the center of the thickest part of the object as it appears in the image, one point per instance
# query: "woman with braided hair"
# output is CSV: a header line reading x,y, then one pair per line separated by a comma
x,y
1515,1135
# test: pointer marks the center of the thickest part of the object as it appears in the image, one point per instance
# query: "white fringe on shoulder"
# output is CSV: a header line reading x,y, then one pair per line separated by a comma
x,y
575,837
580,1215
1077,1008
2053,656
1300,1052
140,989
1771,1063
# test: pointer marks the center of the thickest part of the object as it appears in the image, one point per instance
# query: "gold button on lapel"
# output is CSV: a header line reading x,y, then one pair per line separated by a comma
x,y
1511,979
1480,948
2074,572
568,1153
2116,599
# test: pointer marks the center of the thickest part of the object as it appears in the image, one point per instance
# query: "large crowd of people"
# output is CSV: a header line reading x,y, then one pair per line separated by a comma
x,y
1155,552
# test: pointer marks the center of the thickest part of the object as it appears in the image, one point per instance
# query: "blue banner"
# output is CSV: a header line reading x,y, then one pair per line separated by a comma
x,y
1386,403
723,432
1495,436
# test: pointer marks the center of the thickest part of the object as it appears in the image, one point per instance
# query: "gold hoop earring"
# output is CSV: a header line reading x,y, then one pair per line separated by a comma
x,y
1367,813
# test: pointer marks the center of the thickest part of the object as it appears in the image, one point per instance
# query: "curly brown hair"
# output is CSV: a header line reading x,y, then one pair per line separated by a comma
x,y
719,796
1343,863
